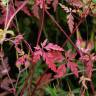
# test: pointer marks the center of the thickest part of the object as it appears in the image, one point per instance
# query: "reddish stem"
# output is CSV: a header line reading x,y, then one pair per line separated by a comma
x,y
38,83
73,32
62,31
42,23
26,81
92,87
8,24
28,46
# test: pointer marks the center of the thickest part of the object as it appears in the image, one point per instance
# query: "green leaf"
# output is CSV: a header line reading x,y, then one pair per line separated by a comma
x,y
51,91
94,1
4,2
10,32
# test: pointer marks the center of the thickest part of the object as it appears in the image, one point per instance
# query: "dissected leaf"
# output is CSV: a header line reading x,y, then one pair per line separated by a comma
x,y
89,69
44,80
51,46
52,57
23,60
36,11
5,84
88,63
86,11
49,59
70,21
73,67
61,70
76,3
44,43
24,9
69,55
37,54
55,4
18,39
66,9
3,69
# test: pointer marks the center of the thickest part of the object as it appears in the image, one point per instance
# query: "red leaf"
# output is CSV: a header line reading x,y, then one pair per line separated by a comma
x,y
49,59
24,9
66,9
18,39
5,84
56,56
44,80
51,46
76,3
85,12
39,3
60,71
3,70
23,60
73,67
36,56
88,62
55,4
69,55
11,11
36,11
70,22
89,68
44,43
52,55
